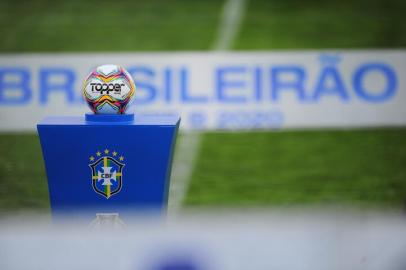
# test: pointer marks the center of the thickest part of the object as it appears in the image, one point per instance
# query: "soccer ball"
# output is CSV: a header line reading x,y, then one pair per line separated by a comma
x,y
108,89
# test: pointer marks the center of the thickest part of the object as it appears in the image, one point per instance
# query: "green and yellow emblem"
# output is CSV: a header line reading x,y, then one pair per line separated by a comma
x,y
107,172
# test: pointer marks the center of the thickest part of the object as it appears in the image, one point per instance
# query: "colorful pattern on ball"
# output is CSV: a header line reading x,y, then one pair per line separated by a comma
x,y
108,89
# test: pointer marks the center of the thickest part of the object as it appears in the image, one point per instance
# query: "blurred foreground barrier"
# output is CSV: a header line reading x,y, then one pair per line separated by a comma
x,y
294,241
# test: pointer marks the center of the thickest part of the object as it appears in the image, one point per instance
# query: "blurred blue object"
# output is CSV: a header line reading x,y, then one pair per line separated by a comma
x,y
110,165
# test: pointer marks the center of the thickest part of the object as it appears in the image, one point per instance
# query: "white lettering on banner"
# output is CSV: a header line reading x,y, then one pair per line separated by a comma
x,y
256,90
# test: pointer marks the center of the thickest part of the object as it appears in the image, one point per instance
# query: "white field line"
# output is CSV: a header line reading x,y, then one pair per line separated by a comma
x,y
187,149
183,164
233,12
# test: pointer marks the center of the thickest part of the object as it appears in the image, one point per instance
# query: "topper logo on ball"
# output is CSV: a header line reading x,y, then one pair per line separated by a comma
x,y
107,87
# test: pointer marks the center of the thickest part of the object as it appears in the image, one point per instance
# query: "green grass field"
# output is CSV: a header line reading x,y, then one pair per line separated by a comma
x,y
94,25
363,168
311,24
339,167
23,180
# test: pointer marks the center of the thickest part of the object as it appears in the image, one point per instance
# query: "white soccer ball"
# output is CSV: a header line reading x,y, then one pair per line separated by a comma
x,y
108,89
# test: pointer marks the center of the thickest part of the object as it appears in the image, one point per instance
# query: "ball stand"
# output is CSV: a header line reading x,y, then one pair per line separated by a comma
x,y
114,164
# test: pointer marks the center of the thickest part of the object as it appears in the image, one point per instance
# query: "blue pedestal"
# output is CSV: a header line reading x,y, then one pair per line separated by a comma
x,y
108,163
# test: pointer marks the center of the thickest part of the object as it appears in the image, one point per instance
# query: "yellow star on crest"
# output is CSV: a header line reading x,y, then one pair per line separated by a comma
x,y
106,151
98,153
121,158
91,158
114,153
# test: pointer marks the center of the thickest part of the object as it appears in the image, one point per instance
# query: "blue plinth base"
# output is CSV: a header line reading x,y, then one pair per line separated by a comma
x,y
109,118
111,163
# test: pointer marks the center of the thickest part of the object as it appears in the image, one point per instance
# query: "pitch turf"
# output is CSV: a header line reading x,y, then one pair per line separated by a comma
x,y
94,25
296,24
22,175
340,167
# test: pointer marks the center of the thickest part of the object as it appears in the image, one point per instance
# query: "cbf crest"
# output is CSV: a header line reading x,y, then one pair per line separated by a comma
x,y
107,172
